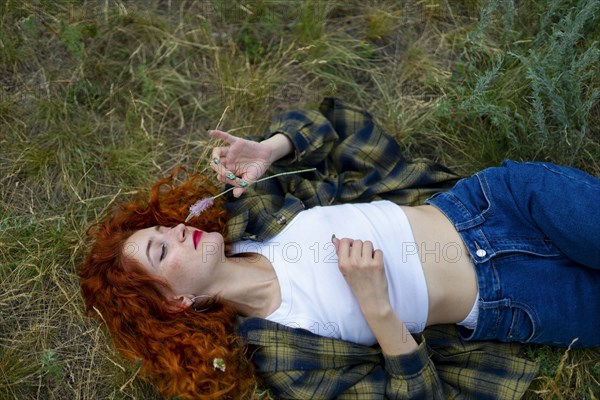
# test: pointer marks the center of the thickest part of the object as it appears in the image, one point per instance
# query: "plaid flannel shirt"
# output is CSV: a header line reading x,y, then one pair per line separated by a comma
x,y
356,161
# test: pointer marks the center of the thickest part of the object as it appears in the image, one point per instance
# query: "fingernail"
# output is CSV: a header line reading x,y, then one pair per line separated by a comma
x,y
243,184
216,160
332,237
230,176
236,195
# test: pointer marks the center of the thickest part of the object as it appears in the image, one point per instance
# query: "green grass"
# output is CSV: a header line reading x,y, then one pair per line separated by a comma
x,y
99,98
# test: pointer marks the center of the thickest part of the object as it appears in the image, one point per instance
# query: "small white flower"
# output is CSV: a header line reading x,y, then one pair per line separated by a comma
x,y
219,363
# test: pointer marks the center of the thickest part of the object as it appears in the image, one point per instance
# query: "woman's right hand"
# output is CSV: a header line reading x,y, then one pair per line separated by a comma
x,y
244,160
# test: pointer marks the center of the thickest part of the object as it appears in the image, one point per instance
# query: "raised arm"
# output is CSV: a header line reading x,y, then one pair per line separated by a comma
x,y
355,161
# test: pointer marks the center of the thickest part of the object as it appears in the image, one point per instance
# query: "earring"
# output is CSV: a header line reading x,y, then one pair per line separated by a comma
x,y
208,304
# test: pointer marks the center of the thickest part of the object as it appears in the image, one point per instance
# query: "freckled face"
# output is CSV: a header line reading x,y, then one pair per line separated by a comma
x,y
184,257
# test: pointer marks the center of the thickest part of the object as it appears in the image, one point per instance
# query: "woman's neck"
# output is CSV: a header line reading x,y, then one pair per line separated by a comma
x,y
250,284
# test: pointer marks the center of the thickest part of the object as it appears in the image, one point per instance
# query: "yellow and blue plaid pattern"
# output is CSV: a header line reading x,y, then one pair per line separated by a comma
x,y
297,364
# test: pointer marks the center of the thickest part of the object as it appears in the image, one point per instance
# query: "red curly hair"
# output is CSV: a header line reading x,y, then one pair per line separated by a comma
x,y
177,348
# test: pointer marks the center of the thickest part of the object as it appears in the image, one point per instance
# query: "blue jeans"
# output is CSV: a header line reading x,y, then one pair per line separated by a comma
x,y
533,233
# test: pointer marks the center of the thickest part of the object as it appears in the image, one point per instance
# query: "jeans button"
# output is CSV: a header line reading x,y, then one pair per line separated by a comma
x,y
481,253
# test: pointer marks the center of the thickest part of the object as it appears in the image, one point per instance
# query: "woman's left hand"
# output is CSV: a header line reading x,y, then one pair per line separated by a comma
x,y
363,270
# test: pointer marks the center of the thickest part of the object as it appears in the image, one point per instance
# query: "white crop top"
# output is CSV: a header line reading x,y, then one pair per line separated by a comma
x,y
314,294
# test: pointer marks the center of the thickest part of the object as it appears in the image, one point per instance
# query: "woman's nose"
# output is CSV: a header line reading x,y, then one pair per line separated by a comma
x,y
180,232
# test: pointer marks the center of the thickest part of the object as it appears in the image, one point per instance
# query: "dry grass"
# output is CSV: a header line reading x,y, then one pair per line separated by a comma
x,y
98,98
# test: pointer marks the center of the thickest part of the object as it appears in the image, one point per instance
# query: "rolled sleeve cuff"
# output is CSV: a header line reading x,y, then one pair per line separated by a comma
x,y
292,124
300,144
308,131
409,364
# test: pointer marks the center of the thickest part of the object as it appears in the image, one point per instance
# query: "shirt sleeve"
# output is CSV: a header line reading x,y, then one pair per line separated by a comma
x,y
446,367
340,373
345,136
413,376
311,134
297,364
358,159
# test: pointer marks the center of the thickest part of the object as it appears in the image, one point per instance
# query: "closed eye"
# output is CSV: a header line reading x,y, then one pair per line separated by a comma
x,y
163,251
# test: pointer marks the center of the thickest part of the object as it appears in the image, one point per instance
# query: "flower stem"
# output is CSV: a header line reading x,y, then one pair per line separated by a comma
x,y
222,193
268,177
286,173
201,205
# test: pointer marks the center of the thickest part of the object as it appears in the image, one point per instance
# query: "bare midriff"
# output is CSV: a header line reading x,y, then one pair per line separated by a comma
x,y
449,270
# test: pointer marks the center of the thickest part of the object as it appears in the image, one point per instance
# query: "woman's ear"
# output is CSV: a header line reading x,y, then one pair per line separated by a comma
x,y
180,303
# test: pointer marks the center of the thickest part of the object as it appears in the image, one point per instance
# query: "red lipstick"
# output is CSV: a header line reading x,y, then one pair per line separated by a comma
x,y
196,238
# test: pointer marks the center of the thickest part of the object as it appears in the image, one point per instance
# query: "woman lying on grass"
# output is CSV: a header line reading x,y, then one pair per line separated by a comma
x,y
406,300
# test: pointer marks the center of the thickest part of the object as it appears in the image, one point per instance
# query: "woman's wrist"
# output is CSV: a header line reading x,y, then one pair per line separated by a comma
x,y
375,304
280,146
391,333
376,309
